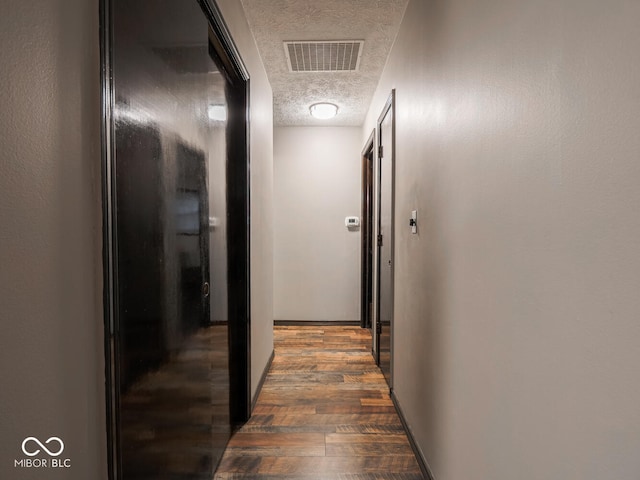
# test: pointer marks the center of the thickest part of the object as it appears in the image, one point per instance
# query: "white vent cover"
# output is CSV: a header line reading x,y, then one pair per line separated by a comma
x,y
326,56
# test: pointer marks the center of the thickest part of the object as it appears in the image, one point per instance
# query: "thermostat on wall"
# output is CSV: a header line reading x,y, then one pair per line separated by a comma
x,y
352,222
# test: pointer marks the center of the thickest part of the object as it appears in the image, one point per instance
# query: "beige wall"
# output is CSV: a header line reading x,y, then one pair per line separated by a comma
x,y
51,340
516,309
261,184
317,180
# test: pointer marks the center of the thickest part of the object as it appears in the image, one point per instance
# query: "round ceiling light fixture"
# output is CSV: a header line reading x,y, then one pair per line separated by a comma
x,y
323,110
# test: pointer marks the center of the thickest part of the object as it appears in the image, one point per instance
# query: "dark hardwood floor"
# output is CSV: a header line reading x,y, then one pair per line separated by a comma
x,y
324,413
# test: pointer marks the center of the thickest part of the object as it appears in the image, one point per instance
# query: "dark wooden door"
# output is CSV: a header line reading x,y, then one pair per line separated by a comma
x,y
385,239
367,229
176,203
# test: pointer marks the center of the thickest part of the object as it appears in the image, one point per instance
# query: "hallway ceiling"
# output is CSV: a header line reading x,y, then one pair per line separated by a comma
x,y
274,22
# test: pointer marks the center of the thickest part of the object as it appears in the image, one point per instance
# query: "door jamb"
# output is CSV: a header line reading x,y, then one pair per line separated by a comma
x,y
238,214
367,207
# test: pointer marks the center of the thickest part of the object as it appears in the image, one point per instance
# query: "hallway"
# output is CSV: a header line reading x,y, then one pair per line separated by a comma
x,y
324,413
515,287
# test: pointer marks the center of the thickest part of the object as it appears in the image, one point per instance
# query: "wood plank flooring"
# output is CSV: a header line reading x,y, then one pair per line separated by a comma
x,y
324,413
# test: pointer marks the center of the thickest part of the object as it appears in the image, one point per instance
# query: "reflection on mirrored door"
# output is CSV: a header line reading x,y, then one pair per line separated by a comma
x,y
178,314
386,153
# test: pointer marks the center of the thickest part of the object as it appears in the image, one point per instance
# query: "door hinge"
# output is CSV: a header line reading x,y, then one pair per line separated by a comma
x,y
378,328
380,150
380,240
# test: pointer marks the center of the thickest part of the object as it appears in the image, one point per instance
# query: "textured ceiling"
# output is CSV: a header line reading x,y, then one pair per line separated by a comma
x,y
275,21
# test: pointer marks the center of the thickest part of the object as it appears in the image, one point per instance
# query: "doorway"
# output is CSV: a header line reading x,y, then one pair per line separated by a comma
x,y
385,238
367,244
176,200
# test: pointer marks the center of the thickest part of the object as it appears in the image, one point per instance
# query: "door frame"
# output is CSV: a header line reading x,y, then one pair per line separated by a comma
x,y
389,106
367,228
238,205
238,212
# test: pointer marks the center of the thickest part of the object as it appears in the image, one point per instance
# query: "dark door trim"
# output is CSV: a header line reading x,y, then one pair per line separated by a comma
x,y
366,232
109,262
238,196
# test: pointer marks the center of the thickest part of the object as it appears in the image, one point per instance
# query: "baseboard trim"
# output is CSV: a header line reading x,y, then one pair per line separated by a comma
x,y
422,462
315,323
265,372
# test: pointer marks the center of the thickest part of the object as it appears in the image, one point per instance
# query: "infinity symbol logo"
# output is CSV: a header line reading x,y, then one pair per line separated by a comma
x,y
34,439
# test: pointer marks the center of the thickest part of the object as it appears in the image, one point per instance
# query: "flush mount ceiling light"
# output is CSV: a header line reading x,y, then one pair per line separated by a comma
x,y
323,111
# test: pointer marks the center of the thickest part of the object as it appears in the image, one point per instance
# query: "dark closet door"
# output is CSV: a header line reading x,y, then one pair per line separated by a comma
x,y
173,190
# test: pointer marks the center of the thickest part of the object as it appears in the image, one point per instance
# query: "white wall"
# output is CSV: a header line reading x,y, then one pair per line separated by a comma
x,y
51,326
261,185
516,314
317,176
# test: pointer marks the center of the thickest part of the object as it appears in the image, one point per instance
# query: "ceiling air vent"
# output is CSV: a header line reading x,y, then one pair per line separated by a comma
x,y
327,56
